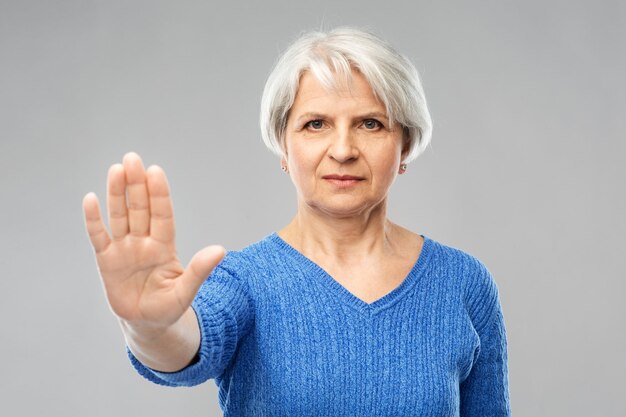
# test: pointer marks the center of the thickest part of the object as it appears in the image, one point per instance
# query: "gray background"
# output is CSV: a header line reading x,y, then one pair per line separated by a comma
x,y
526,172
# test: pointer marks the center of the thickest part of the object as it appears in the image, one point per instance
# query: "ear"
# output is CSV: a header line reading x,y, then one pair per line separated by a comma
x,y
283,147
284,155
406,145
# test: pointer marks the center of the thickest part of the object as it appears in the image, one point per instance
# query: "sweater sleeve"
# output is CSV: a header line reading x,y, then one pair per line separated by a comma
x,y
485,391
225,314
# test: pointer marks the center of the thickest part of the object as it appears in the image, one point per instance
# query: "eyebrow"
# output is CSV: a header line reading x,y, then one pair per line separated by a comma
x,y
315,115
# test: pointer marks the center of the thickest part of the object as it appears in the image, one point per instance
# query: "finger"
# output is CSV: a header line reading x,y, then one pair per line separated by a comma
x,y
161,211
197,271
137,195
116,201
93,222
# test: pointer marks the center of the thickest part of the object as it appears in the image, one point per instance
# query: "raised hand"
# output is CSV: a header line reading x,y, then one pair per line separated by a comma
x,y
144,281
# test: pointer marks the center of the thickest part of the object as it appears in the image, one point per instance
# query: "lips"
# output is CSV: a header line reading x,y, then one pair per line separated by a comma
x,y
341,177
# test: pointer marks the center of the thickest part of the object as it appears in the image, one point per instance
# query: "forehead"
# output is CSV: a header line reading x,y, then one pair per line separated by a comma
x,y
356,92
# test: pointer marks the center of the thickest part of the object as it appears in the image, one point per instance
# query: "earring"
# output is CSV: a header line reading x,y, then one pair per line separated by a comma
x,y
284,168
402,168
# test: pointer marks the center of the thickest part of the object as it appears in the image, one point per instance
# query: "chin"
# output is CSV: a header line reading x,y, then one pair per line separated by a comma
x,y
339,209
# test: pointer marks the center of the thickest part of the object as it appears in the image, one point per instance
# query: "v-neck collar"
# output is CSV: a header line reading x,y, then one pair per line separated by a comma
x,y
342,293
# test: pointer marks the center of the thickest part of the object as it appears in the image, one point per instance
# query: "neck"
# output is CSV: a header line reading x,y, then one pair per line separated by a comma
x,y
350,239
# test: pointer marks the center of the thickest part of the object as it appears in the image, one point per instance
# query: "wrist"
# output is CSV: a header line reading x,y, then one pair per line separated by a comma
x,y
166,349
147,332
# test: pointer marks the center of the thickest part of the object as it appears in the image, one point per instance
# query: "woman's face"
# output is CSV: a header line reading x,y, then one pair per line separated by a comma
x,y
341,154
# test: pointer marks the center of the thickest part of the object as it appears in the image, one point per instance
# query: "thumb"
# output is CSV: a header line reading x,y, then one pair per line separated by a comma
x,y
198,269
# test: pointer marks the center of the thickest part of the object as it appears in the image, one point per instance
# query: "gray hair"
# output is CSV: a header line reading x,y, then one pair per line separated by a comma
x,y
331,56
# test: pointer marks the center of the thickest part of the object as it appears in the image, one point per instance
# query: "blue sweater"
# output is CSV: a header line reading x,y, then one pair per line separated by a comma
x,y
281,337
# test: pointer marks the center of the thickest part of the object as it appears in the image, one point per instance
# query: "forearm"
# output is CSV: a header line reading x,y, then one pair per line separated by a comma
x,y
165,350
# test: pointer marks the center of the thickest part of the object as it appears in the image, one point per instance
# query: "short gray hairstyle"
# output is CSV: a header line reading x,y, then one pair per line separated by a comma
x,y
331,56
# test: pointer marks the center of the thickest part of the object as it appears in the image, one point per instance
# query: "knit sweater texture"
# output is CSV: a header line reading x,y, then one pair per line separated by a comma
x,y
281,337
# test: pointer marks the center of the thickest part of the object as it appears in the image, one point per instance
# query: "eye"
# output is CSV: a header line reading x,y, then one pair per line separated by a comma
x,y
315,124
372,124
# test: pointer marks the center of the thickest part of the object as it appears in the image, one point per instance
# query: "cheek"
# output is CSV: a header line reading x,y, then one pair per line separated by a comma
x,y
384,171
386,159
305,156
302,165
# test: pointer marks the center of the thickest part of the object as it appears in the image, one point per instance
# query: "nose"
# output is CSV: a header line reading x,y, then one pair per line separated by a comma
x,y
343,147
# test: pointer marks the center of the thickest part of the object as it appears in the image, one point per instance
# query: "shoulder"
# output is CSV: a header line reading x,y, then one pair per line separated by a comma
x,y
258,270
454,258
479,289
245,263
234,276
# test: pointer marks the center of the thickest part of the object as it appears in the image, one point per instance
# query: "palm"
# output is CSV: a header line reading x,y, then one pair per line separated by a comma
x,y
139,276
144,281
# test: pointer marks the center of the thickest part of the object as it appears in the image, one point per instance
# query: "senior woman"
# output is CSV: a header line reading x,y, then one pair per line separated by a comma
x,y
341,312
